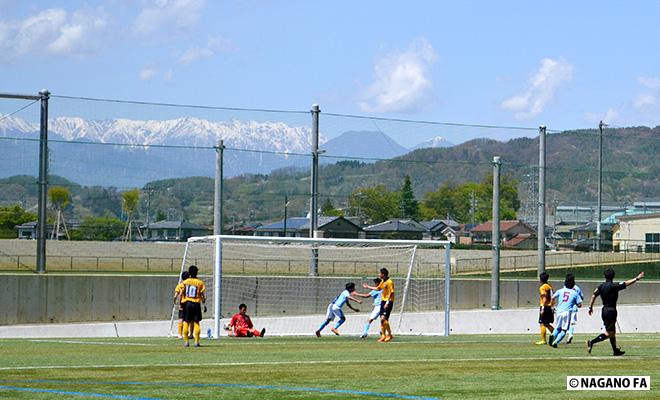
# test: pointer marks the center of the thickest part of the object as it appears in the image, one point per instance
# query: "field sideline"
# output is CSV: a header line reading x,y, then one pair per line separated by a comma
x,y
412,367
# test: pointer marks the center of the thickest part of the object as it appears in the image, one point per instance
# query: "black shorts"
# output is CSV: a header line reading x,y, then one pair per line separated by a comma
x,y
545,315
180,312
609,314
386,309
192,312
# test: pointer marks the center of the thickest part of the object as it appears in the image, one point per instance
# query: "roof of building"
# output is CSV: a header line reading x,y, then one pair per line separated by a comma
x,y
639,216
504,226
29,225
615,217
397,225
165,224
591,227
436,224
519,238
300,223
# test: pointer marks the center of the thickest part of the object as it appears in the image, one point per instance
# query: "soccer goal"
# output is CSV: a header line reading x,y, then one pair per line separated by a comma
x,y
287,283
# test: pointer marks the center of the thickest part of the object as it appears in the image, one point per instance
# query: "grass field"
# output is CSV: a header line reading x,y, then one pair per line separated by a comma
x,y
458,367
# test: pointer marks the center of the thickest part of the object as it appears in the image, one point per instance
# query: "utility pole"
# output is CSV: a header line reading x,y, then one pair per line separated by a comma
x,y
495,239
473,206
219,187
286,205
313,215
43,183
540,232
600,183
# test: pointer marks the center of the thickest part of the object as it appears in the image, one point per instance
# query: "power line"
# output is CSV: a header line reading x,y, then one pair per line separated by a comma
x,y
440,123
17,111
196,106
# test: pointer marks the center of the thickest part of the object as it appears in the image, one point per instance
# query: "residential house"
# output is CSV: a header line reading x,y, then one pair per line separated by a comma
x,y
173,231
482,233
328,227
640,233
396,229
435,227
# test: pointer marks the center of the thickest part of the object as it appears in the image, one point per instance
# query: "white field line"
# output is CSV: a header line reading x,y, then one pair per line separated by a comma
x,y
90,342
258,342
321,362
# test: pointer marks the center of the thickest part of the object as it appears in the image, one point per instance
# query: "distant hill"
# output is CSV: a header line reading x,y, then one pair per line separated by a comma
x,y
366,144
631,165
435,142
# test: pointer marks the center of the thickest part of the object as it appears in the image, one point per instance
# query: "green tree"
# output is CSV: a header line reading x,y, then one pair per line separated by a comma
x,y
408,206
60,197
131,200
99,228
329,210
374,204
12,216
456,200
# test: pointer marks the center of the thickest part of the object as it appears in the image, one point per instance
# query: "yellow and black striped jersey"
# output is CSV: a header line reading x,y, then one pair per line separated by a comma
x,y
193,289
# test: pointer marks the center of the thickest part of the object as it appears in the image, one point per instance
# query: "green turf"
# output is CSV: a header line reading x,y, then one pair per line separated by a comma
x,y
623,271
458,367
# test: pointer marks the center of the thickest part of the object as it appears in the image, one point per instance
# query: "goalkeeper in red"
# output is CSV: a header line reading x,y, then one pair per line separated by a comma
x,y
242,324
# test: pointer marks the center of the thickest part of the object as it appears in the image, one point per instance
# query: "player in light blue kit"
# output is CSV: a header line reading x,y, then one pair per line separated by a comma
x,y
574,311
335,309
566,298
375,313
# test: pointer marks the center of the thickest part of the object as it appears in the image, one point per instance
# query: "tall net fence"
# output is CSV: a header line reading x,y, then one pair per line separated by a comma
x,y
99,150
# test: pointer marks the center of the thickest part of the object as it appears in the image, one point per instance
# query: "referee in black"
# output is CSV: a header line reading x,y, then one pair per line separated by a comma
x,y
609,294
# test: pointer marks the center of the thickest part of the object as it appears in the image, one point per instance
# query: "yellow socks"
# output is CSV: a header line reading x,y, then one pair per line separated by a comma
x,y
185,329
543,333
196,332
387,328
180,328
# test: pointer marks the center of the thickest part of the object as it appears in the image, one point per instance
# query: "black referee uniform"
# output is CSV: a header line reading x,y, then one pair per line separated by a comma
x,y
609,294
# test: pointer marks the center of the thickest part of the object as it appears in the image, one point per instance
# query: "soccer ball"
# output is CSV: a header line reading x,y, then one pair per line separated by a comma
x,y
226,327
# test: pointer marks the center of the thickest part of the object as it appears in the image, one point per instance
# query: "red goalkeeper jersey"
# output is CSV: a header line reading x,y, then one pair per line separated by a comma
x,y
239,321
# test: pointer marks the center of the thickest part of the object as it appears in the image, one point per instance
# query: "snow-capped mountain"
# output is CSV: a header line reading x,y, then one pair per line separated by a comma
x,y
130,166
437,141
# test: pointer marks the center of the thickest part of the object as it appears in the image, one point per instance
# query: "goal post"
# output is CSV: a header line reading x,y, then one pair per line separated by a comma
x,y
271,275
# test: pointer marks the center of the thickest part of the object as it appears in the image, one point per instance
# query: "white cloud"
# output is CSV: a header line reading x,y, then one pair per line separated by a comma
x,y
644,100
402,81
147,74
542,88
650,82
53,31
169,15
214,45
611,116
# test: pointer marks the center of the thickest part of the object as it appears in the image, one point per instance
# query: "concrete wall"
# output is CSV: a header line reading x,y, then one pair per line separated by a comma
x,y
28,299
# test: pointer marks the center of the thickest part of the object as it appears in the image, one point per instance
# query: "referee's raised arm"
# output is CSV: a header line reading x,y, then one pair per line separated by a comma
x,y
635,279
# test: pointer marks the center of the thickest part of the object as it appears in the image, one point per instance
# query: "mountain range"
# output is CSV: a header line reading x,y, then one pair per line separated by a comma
x,y
127,153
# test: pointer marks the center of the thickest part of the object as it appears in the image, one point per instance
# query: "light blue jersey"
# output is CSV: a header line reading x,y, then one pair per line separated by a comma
x,y
341,299
579,292
566,299
376,294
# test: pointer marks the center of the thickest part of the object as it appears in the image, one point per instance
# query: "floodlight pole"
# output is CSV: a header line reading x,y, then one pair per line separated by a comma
x,y
43,183
219,187
495,239
447,287
313,215
540,231
600,185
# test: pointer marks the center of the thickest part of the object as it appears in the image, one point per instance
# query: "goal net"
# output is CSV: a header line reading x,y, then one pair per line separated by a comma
x,y
288,283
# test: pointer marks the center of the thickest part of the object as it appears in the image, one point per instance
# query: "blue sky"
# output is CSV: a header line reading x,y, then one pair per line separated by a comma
x,y
565,64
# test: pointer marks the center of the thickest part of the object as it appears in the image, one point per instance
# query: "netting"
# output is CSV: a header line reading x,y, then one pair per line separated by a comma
x,y
272,277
